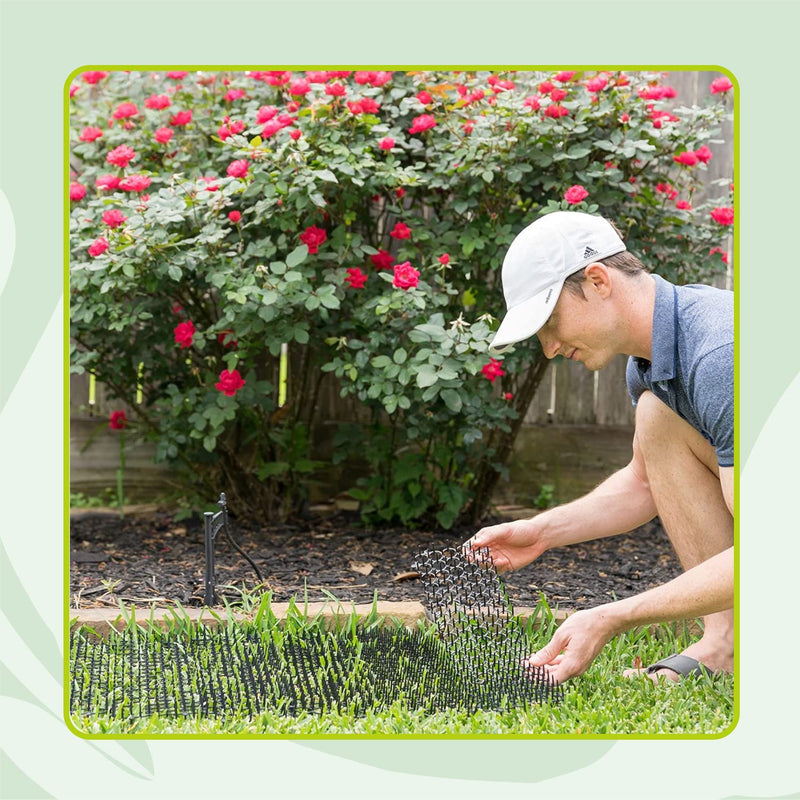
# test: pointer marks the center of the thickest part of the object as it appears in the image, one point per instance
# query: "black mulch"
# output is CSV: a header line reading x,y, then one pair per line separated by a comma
x,y
150,558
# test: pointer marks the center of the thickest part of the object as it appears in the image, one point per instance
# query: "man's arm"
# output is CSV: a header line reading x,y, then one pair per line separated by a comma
x,y
702,590
620,503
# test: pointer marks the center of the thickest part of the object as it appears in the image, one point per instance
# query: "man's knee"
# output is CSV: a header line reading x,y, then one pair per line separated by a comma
x,y
660,430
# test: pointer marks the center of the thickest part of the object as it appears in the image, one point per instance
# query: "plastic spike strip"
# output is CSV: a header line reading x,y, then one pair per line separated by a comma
x,y
474,661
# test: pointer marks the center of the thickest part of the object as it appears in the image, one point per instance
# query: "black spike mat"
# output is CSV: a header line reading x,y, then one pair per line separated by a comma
x,y
472,660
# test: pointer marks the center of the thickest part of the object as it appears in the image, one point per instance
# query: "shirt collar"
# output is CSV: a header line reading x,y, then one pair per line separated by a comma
x,y
665,333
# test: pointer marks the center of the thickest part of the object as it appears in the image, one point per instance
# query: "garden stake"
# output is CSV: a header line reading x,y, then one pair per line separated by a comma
x,y
214,523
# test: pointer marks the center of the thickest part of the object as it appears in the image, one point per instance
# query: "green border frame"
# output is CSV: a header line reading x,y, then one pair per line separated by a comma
x,y
737,413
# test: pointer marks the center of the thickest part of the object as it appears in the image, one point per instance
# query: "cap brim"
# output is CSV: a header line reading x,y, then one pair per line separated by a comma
x,y
525,319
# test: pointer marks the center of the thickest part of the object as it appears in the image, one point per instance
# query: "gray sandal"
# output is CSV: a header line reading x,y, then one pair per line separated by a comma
x,y
682,665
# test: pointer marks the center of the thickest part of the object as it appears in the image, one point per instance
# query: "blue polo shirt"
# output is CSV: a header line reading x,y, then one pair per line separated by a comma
x,y
692,360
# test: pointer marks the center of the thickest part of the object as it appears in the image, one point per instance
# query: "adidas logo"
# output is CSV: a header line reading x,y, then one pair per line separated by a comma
x,y
589,252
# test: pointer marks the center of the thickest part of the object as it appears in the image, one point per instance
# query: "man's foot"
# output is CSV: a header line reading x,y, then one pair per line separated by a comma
x,y
696,658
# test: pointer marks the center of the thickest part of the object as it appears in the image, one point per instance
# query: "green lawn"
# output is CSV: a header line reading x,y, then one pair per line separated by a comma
x,y
600,702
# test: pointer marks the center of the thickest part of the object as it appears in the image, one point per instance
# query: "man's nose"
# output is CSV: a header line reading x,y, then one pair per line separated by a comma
x,y
550,345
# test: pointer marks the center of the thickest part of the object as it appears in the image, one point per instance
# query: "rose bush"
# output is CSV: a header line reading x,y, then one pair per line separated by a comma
x,y
360,218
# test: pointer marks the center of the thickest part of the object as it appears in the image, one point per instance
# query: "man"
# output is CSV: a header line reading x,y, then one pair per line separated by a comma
x,y
569,279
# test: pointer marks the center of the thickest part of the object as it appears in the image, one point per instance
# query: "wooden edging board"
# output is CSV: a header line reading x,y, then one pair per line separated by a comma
x,y
102,620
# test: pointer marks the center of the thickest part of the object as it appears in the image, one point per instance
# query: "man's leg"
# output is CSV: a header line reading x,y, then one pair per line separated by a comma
x,y
683,475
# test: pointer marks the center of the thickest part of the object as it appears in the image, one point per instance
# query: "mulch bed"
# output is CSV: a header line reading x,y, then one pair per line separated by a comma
x,y
148,558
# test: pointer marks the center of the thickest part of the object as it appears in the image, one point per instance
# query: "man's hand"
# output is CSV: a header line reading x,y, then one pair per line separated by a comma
x,y
575,644
511,544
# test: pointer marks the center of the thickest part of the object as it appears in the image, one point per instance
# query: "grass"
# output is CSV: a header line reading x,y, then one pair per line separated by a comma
x,y
600,702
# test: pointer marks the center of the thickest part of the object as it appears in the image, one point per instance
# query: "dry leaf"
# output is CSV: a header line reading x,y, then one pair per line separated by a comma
x,y
362,567
404,576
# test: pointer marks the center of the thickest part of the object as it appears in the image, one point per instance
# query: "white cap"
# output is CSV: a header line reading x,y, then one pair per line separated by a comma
x,y
540,259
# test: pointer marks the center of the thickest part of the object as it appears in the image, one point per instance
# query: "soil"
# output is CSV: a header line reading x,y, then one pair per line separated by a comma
x,y
150,558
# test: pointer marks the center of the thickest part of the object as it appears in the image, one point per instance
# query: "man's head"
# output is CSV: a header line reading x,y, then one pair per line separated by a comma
x,y
560,250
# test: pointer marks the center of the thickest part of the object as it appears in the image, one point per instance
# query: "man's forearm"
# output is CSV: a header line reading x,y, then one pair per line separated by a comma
x,y
621,503
703,589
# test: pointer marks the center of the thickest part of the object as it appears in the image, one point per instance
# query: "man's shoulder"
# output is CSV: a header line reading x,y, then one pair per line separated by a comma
x,y
705,318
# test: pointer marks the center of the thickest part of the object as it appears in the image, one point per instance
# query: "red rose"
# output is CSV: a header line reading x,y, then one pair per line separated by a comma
x,y
532,103
508,396
387,143
299,87
720,85
234,216
704,154
688,158
723,215
400,231
265,114
117,420
356,278
225,338
382,259
683,205
89,134
163,135
625,118
424,98
317,76
77,191
98,246
555,111
157,101
108,182
238,169
125,110
93,77
545,87
444,259
400,193
271,128
234,94
557,95
296,134
313,237
177,75
364,106
121,156
564,77
230,382
211,183
405,276
184,333
575,194
422,123
597,84
114,218
335,90
181,118
134,183
493,370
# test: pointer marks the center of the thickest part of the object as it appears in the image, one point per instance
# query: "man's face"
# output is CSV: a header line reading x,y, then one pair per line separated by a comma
x,y
579,329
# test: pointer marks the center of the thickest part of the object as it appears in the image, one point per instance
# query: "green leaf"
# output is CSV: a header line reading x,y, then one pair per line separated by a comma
x,y
400,356
174,272
317,199
272,468
426,376
329,300
209,443
379,362
297,256
326,175
452,400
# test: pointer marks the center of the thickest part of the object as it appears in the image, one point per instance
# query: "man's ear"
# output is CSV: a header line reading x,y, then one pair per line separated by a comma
x,y
599,278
